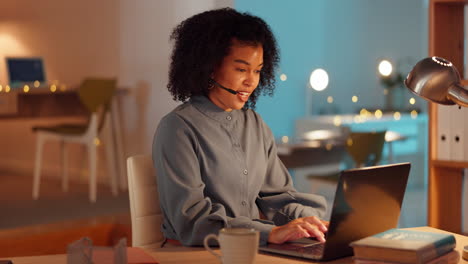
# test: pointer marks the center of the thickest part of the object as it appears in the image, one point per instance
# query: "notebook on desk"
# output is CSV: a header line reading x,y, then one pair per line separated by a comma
x,y
367,201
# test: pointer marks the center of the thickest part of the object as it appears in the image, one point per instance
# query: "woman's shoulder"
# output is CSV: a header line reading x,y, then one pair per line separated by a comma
x,y
252,116
175,118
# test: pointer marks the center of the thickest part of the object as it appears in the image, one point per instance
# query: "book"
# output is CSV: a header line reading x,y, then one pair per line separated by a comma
x,y
403,246
453,257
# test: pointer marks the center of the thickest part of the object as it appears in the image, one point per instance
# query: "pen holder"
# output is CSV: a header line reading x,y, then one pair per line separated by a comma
x,y
83,252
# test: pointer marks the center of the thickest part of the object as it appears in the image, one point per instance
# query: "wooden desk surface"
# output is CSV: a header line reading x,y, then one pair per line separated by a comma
x,y
200,255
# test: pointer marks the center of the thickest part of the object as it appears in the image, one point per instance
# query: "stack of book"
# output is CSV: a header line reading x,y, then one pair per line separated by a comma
x,y
406,246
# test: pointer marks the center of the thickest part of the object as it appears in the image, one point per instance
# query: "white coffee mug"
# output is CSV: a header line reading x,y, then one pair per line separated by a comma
x,y
238,245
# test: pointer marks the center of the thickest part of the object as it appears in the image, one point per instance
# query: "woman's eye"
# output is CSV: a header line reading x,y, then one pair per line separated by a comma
x,y
241,70
258,71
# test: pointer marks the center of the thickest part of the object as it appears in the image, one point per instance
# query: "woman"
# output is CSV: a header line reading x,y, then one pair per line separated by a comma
x,y
216,160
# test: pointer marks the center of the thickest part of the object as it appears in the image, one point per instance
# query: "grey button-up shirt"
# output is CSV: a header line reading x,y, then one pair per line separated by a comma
x,y
217,169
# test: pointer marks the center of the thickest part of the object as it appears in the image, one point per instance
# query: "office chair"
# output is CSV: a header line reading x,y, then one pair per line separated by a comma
x,y
96,96
145,210
364,148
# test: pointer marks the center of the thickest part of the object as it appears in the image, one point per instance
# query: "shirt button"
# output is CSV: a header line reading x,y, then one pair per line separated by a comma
x,y
228,117
244,203
246,172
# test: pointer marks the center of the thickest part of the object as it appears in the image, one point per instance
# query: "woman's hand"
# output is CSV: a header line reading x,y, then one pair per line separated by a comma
x,y
299,228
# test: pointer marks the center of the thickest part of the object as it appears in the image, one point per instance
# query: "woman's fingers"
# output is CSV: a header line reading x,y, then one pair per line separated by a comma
x,y
326,223
299,228
314,231
322,225
281,234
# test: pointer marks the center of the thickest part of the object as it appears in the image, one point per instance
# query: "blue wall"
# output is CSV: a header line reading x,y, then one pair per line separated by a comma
x,y
346,38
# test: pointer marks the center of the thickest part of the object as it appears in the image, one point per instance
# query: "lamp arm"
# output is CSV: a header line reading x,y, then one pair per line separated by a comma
x,y
458,94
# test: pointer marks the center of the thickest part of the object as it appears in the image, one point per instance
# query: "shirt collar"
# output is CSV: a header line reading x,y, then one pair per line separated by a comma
x,y
204,105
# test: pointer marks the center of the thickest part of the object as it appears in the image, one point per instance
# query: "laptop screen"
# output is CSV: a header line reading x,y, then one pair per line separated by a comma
x,y
25,70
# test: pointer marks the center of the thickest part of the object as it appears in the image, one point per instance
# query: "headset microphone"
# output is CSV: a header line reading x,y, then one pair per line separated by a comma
x,y
225,88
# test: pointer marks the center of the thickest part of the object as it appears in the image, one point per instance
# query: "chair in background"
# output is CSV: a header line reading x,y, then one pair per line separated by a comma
x,y
96,96
145,210
364,148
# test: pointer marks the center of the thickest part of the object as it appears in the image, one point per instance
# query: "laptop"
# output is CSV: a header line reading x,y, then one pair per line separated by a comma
x,y
367,201
25,70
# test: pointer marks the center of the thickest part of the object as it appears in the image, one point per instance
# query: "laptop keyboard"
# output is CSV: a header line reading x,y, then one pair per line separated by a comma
x,y
314,250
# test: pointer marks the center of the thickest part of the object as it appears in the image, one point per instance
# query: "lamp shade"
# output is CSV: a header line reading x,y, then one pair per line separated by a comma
x,y
437,80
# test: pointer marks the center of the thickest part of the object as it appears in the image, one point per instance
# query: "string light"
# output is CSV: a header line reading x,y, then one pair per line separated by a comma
x,y
363,112
337,120
358,119
414,114
397,115
283,77
378,113
330,99
412,101
354,99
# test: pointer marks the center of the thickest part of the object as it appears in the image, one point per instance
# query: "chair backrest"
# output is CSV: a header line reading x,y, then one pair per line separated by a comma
x,y
96,95
365,148
145,210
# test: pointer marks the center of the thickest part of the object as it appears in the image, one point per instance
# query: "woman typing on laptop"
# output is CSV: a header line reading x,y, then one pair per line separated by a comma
x,y
215,158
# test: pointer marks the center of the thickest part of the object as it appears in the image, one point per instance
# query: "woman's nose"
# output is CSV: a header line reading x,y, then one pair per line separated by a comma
x,y
250,79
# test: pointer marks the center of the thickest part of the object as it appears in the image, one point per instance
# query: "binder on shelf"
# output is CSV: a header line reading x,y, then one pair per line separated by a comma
x,y
457,133
443,132
465,201
465,140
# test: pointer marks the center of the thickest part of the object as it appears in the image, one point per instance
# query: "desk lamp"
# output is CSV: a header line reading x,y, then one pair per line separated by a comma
x,y
437,80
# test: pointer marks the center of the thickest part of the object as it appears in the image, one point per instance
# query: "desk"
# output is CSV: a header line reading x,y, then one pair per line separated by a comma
x,y
411,147
200,255
318,152
41,102
311,153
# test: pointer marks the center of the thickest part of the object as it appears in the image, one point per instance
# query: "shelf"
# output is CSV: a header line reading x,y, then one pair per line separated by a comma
x,y
451,1
446,40
450,164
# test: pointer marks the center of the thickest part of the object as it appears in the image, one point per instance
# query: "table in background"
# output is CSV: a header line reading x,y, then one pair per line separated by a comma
x,y
41,102
304,154
411,147
200,255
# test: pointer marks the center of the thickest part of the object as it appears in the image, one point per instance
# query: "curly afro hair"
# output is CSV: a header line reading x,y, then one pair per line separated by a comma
x,y
203,40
